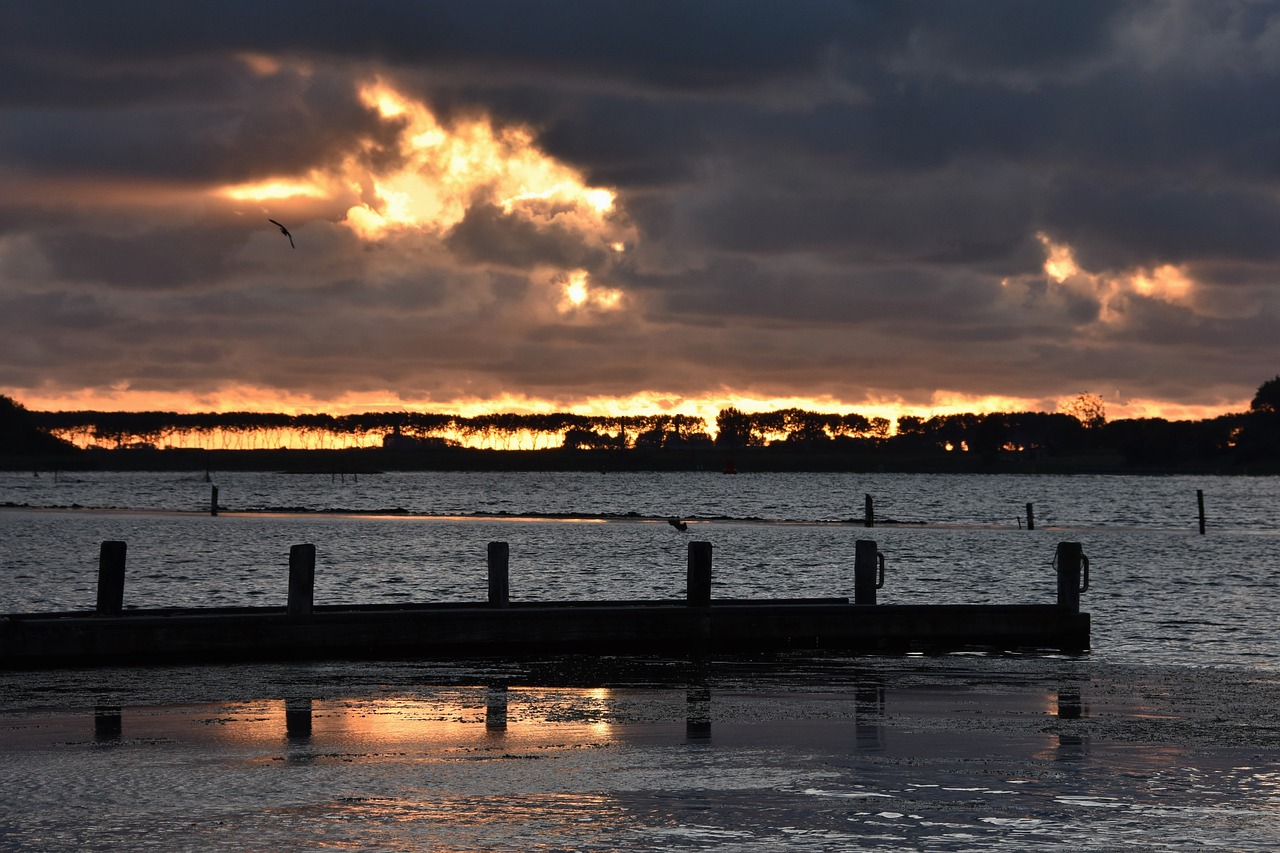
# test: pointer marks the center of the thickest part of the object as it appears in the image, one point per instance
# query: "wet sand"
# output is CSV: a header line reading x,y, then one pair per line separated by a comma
x,y
788,752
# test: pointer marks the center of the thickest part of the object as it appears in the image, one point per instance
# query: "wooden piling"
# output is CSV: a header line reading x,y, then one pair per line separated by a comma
x,y
111,559
868,571
1200,503
499,560
869,518
1031,516
1073,574
213,500
302,579
698,581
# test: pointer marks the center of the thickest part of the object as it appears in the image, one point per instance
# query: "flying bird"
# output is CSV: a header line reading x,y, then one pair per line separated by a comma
x,y
284,231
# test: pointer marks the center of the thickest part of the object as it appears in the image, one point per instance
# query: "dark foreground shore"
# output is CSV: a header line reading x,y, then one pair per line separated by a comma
x,y
779,752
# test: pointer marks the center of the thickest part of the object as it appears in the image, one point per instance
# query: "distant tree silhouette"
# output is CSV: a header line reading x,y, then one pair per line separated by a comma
x,y
19,433
733,429
1267,399
1088,409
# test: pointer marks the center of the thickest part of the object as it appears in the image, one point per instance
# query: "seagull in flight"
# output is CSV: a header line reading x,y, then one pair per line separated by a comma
x,y
284,231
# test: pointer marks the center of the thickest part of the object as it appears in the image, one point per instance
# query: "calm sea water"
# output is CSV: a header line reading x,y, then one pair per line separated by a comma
x,y
1164,737
1159,590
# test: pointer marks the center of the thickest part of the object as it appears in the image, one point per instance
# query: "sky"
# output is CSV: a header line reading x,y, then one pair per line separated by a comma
x,y
604,207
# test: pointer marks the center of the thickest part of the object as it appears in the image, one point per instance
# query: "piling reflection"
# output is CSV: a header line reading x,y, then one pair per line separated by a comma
x,y
697,725
495,710
297,720
108,724
869,714
1072,746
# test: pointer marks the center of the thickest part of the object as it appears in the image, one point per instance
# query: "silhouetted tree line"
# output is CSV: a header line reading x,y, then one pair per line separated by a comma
x,y
1246,437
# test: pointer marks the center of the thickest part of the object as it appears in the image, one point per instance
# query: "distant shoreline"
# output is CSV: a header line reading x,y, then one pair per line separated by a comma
x,y
744,460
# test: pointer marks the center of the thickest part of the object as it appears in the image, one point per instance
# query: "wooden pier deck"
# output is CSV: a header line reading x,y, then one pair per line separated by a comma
x,y
694,625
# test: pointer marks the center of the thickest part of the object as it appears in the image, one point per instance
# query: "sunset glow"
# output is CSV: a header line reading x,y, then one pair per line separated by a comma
x,y
273,190
443,170
1166,282
495,224
260,400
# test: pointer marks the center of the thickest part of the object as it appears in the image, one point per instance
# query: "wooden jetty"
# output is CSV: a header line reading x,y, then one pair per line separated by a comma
x,y
499,627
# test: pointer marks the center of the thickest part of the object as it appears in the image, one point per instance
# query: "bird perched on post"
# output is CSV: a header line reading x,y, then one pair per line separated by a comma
x,y
284,231
678,524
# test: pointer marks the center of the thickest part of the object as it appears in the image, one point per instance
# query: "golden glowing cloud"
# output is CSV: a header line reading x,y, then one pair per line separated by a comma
x,y
579,293
1059,264
1167,282
274,190
444,170
434,173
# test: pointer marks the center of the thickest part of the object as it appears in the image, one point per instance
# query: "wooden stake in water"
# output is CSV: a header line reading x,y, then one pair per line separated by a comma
x,y
1031,516
869,519
1200,502
213,501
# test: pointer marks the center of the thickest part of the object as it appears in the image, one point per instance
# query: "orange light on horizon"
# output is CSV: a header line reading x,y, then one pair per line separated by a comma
x,y
706,408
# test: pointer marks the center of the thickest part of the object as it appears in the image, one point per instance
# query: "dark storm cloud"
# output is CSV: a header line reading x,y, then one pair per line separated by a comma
x,y
280,125
826,197
487,235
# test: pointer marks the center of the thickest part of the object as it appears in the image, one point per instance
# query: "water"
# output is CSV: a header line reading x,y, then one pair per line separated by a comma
x,y
1159,593
1166,736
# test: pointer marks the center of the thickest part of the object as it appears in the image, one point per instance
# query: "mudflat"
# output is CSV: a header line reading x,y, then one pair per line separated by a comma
x,y
956,752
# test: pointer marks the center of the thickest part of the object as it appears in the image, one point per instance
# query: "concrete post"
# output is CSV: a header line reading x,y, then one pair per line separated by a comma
x,y
698,582
499,559
302,579
111,578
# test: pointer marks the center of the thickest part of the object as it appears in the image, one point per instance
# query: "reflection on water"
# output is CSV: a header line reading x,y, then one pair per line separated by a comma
x,y
877,760
108,724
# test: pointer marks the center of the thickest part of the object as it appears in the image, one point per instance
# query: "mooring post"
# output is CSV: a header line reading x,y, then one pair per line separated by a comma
x,y
1031,516
1071,562
868,571
213,500
111,578
302,579
1200,503
499,560
698,582
869,518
